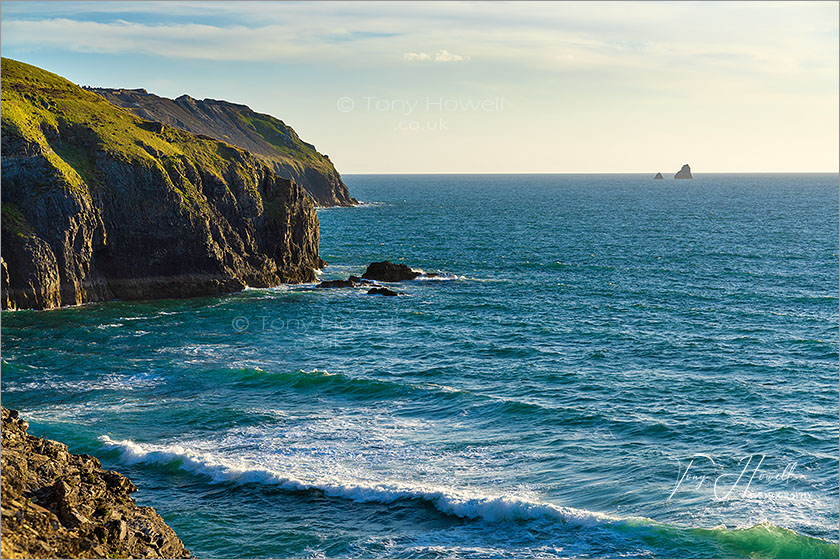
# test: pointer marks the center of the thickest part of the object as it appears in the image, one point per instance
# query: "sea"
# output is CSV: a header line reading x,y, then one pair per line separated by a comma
x,y
605,366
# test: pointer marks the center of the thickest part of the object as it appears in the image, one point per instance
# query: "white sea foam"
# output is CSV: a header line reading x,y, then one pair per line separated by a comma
x,y
442,277
460,503
112,382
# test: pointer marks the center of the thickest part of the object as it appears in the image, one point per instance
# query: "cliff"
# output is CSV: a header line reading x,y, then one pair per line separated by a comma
x,y
98,204
274,143
59,505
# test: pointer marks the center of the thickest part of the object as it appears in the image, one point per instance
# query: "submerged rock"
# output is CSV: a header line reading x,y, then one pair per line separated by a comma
x,y
59,505
387,271
384,292
658,176
684,173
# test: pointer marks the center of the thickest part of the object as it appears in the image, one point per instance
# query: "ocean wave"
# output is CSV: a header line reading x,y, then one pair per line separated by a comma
x,y
760,540
468,505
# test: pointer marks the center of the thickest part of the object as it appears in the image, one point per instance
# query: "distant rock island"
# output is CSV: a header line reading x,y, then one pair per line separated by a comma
x,y
658,176
684,173
269,139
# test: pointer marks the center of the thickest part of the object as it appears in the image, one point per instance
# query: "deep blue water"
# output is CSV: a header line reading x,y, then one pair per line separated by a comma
x,y
591,335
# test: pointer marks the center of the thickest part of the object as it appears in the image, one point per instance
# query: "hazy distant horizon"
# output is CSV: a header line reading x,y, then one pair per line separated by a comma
x,y
665,175
408,87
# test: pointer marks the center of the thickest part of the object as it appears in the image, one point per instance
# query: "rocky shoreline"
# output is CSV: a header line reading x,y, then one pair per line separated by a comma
x,y
56,504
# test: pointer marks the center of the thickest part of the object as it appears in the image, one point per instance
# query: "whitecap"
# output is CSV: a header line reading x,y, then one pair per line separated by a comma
x,y
468,504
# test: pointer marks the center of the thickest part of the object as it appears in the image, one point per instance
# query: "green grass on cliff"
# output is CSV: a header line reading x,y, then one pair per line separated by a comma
x,y
72,125
290,149
14,221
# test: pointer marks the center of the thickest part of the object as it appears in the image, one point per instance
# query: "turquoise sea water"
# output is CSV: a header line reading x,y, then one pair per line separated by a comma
x,y
610,366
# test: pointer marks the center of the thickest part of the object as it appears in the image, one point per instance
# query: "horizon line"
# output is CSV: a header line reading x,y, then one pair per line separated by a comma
x,y
836,172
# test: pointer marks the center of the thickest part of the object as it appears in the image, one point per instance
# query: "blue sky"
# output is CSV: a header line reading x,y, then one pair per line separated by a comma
x,y
479,87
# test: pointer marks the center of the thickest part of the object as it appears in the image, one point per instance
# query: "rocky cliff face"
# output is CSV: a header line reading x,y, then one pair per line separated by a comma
x,y
99,204
274,143
59,505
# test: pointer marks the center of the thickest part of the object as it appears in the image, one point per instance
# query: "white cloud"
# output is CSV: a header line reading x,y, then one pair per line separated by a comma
x,y
446,56
414,57
440,56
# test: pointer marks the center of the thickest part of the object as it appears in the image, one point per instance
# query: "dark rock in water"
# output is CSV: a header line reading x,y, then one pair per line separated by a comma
x,y
387,271
684,173
658,176
337,284
358,280
384,292
99,204
59,505
431,275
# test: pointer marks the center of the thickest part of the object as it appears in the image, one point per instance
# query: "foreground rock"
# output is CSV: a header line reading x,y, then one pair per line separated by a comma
x,y
270,139
684,173
59,505
658,176
387,271
100,204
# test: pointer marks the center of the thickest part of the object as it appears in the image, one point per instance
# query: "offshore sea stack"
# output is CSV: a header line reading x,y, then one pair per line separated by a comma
x,y
269,139
59,505
386,271
100,204
684,173
658,176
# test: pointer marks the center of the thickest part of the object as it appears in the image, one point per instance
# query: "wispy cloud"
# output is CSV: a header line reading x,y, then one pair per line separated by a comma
x,y
541,35
440,56
673,73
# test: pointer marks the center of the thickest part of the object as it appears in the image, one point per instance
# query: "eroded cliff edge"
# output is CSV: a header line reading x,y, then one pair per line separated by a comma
x,y
98,203
59,505
270,139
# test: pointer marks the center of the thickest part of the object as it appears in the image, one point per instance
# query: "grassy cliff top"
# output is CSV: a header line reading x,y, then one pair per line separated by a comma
x,y
261,134
72,125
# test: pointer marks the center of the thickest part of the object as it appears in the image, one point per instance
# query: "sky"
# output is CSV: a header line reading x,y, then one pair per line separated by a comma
x,y
474,87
